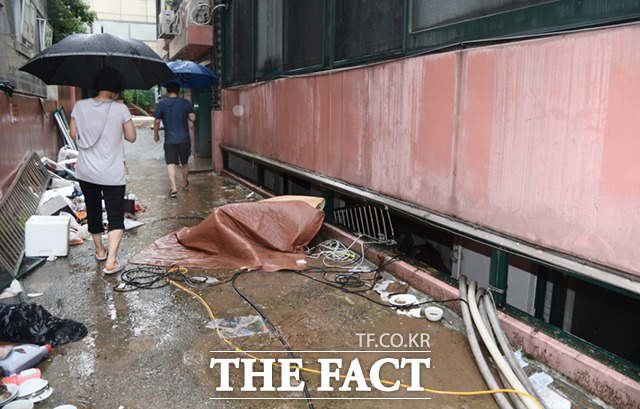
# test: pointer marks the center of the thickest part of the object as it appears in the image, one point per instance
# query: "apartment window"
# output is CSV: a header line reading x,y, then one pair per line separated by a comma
x,y
303,33
242,23
427,14
365,28
269,35
29,23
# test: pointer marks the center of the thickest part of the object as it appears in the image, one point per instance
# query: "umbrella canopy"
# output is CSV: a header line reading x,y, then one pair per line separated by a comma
x,y
75,60
192,75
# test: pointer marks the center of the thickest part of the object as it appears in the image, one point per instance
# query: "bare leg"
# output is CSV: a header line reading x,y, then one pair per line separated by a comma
x,y
171,172
100,249
114,242
184,168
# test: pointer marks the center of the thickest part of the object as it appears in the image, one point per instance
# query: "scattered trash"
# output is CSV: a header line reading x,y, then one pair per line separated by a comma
x,y
131,224
23,376
412,312
23,357
47,236
433,314
54,201
31,323
387,288
540,382
239,326
35,390
398,287
8,393
403,300
521,361
13,290
381,288
553,400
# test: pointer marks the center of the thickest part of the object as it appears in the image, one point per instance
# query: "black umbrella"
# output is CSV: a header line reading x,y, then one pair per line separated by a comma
x,y
75,59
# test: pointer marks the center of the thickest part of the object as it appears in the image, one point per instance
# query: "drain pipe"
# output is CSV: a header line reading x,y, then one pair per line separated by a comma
x,y
493,349
500,398
492,314
513,397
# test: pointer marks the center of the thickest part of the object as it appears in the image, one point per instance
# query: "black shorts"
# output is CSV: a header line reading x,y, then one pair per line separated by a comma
x,y
177,153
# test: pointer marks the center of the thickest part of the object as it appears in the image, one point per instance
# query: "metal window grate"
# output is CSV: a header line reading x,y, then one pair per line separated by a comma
x,y
368,220
17,205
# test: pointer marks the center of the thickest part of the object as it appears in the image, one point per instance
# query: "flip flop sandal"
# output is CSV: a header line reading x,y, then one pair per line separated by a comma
x,y
115,270
186,186
173,194
106,253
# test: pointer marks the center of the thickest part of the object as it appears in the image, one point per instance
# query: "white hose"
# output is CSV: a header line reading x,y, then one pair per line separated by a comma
x,y
487,323
492,315
493,349
500,398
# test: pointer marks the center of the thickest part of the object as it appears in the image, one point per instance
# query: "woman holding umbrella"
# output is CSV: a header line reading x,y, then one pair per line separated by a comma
x,y
98,124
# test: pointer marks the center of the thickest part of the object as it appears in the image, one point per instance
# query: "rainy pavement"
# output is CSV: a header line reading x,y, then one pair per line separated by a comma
x,y
151,348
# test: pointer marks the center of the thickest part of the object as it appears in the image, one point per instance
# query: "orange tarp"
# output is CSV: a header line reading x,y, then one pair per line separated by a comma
x,y
254,235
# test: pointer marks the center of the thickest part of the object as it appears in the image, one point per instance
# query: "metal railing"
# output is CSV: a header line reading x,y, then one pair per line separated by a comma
x,y
369,220
17,205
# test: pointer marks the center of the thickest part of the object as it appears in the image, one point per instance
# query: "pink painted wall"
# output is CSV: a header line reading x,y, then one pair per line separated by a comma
x,y
535,139
33,131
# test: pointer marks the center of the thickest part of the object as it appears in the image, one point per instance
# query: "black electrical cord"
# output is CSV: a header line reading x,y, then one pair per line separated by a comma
x,y
345,281
359,293
273,328
151,277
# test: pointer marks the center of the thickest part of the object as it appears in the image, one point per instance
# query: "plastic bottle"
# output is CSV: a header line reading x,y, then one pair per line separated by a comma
x,y
23,357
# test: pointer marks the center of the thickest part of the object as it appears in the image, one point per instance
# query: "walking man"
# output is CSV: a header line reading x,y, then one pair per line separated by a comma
x,y
175,113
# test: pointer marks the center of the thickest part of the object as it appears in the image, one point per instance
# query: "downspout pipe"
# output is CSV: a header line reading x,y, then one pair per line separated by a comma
x,y
500,398
492,314
493,349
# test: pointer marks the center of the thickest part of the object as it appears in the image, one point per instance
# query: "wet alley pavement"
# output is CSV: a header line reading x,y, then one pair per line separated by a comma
x,y
151,348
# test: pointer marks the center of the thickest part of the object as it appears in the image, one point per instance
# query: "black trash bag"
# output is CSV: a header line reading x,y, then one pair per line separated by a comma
x,y
31,324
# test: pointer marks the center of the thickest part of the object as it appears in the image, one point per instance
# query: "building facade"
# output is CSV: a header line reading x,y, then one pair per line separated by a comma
x,y
499,135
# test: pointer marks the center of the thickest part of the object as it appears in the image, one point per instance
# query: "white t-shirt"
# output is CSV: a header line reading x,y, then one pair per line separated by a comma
x,y
103,163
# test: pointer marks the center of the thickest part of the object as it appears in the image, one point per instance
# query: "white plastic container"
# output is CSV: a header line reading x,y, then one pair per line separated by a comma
x,y
23,357
433,314
46,236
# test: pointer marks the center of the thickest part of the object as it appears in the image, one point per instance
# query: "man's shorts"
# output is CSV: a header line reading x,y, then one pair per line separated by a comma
x,y
177,153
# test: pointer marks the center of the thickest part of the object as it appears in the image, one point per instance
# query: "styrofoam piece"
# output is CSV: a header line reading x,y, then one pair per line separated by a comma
x,y
54,202
46,236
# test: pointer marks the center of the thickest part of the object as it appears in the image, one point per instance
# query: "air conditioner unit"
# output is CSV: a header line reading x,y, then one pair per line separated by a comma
x,y
201,13
167,28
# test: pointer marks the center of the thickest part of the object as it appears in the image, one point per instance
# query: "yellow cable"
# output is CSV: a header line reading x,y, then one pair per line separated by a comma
x,y
344,376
